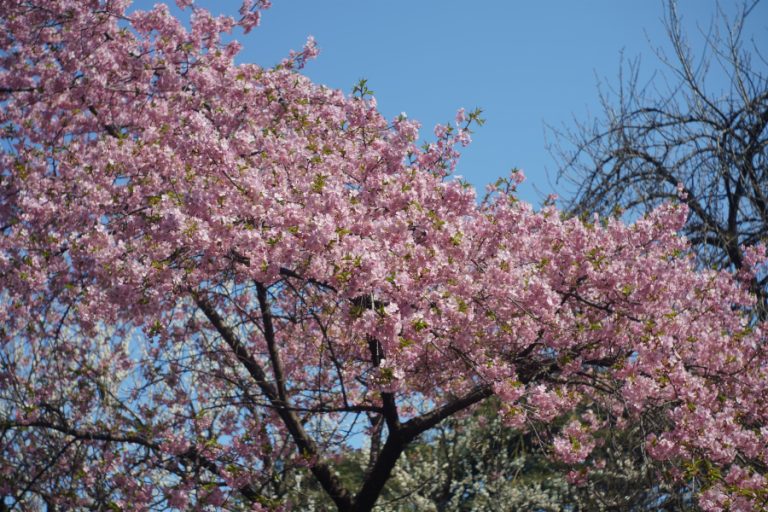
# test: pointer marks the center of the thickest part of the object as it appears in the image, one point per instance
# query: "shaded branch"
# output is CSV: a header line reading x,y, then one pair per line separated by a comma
x,y
306,445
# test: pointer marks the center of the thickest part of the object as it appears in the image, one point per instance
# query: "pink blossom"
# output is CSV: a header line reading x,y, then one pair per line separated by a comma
x,y
211,263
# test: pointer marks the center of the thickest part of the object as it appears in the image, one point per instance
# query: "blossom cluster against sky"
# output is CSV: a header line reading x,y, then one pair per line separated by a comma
x,y
524,63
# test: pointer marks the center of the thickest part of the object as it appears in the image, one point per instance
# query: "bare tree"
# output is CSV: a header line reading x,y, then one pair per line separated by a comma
x,y
699,124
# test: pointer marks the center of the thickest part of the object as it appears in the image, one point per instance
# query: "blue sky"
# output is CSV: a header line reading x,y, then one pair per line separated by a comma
x,y
524,63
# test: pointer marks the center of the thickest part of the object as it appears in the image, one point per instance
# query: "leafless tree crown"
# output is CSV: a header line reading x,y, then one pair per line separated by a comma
x,y
699,124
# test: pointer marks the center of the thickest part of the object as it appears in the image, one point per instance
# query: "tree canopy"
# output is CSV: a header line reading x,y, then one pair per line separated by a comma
x,y
216,272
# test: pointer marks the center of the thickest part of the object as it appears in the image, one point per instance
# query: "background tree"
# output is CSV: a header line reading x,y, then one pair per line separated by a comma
x,y
216,274
470,463
478,462
700,123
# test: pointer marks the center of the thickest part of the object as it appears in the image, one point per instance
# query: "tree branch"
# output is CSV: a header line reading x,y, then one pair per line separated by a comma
x,y
306,445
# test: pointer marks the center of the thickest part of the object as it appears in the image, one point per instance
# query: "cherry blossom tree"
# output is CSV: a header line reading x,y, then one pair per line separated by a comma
x,y
215,273
701,122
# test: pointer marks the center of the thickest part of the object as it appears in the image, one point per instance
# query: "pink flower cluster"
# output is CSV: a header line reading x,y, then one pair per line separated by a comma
x,y
181,233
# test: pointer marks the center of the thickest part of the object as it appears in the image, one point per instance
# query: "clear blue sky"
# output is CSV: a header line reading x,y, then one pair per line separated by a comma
x,y
525,63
